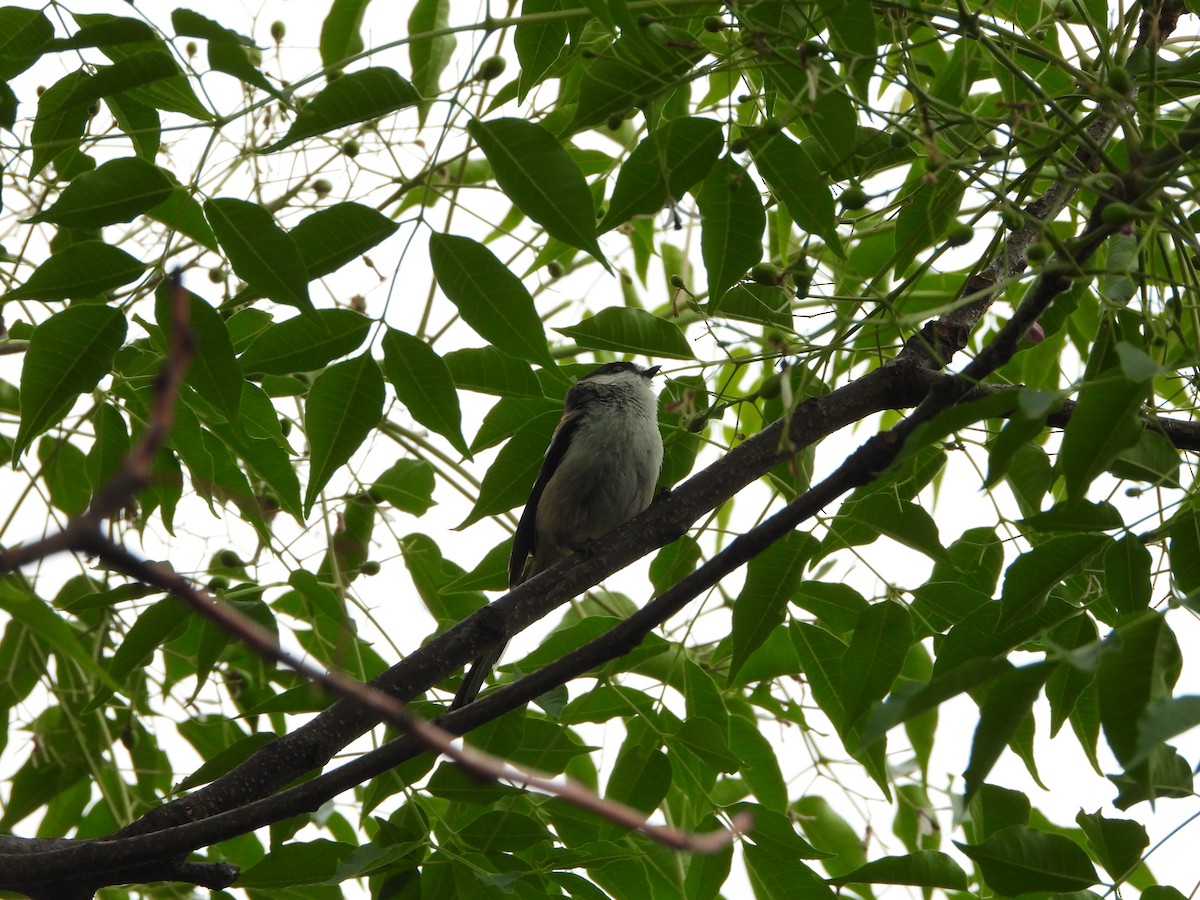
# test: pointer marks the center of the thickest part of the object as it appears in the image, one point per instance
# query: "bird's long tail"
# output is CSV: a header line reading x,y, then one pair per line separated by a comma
x,y
477,676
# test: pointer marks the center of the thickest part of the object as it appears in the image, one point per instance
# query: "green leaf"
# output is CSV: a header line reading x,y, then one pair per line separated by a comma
x,y
641,775
1142,667
429,56
771,579
64,469
305,343
344,405
151,76
538,175
490,298
68,354
627,330
348,99
1028,581
338,234
826,828
663,167
509,479
152,628
1104,422
759,764
883,513
538,43
820,655
1078,516
296,863
260,252
733,226
182,213
924,868
81,270
1019,860
1127,568
852,36
1152,459
41,619
407,485
1008,703
110,446
214,373
874,658
58,126
424,385
489,371
340,38
926,213
24,33
1116,843
796,179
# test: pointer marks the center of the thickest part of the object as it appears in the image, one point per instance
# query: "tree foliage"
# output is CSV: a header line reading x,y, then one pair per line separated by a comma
x,y
969,233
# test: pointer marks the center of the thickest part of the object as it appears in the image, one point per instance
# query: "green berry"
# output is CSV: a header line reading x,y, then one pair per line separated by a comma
x,y
370,567
714,24
228,559
853,197
960,235
350,148
766,273
322,187
492,67
1116,214
1118,79
1038,252
278,30
1012,218
771,388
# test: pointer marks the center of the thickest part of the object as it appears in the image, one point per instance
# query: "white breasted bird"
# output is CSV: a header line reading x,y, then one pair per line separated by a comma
x,y
599,472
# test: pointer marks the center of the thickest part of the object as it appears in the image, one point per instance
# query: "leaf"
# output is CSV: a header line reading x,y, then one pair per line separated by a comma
x,y
733,226
344,405
429,56
24,33
1028,581
82,270
537,174
1117,843
64,470
1078,516
424,385
797,181
820,655
538,42
1142,667
926,213
662,168
214,372
874,658
1127,568
348,99
151,76
488,371
58,127
1008,704
1019,860
305,343
338,234
1104,422
152,628
1152,459
407,485
340,38
923,868
68,354
882,513
771,579
490,298
509,479
261,253
627,330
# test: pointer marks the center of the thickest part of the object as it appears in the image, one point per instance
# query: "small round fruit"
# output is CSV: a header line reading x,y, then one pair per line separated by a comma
x,y
370,567
960,235
853,197
766,273
1116,214
714,24
771,388
492,67
229,559
1039,252
322,187
278,30
1118,79
350,148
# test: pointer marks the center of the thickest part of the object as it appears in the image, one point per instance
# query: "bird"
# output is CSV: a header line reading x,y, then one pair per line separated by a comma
x,y
600,471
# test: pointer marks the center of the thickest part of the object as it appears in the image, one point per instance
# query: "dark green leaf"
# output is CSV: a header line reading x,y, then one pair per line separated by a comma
x,y
1104,422
1018,860
488,371
344,405
537,174
663,167
490,298
68,354
79,271
214,372
424,385
1153,459
906,704
340,38
926,213
797,181
1078,516
338,234
771,579
1127,566
1008,703
1117,843
641,775
1028,581
506,484
296,863
305,343
826,828
23,35
58,634
734,222
874,658
429,56
924,868
260,252
151,76
820,655
407,485
626,330
58,127
882,513
180,212
538,43
351,98
64,469
1142,667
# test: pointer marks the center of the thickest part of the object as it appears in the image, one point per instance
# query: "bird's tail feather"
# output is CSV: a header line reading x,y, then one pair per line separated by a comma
x,y
477,676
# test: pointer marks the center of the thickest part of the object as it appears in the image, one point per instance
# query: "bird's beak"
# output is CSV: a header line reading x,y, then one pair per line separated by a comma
x,y
651,372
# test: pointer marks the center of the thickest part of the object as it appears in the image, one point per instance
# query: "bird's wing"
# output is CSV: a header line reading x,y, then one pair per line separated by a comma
x,y
525,538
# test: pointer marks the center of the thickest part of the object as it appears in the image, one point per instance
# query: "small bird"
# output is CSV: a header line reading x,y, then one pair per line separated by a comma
x,y
599,472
